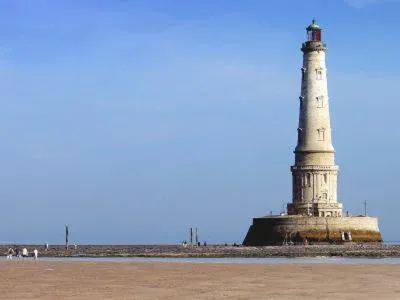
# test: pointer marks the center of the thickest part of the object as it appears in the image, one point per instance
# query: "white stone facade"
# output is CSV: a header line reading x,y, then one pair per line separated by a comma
x,y
314,174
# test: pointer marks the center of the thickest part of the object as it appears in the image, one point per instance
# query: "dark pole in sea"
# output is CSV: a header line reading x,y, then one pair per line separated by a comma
x,y
365,208
66,236
191,235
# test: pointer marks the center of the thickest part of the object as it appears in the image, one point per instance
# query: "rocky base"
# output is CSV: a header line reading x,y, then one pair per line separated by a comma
x,y
277,230
371,250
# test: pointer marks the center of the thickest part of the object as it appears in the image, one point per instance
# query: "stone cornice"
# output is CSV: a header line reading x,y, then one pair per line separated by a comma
x,y
315,168
313,151
313,46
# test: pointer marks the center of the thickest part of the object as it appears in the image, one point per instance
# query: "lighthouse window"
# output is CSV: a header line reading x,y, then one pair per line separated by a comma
x,y
320,101
307,180
303,70
321,134
299,136
319,73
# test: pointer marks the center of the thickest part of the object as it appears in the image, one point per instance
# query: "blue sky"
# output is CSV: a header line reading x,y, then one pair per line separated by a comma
x,y
132,121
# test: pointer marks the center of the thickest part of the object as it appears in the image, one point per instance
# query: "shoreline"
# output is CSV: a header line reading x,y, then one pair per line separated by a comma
x,y
213,251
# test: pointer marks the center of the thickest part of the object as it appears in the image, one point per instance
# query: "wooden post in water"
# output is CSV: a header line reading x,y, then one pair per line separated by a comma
x,y
365,207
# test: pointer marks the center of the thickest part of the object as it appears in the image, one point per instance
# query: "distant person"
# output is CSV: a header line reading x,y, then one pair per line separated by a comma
x,y
24,252
35,254
18,253
10,253
205,244
47,246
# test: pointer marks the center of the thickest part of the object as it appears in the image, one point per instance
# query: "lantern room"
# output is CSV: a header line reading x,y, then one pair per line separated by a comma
x,y
313,32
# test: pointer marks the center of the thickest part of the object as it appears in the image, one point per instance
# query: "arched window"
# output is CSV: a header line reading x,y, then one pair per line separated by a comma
x,y
318,73
321,134
299,135
303,71
308,179
320,101
301,98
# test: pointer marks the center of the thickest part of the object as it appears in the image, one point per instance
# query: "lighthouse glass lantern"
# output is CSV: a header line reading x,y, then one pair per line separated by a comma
x,y
313,32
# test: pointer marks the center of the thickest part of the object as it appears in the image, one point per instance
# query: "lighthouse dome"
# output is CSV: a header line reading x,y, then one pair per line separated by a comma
x,y
313,26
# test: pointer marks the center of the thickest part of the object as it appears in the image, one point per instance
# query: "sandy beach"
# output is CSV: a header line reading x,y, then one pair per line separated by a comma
x,y
112,280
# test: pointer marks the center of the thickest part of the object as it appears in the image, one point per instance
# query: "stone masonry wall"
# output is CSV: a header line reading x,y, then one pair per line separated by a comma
x,y
274,230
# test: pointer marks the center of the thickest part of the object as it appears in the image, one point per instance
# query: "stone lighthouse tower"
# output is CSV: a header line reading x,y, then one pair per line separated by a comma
x,y
314,174
314,214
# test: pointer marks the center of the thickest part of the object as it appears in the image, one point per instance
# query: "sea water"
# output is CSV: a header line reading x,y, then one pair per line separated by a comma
x,y
232,260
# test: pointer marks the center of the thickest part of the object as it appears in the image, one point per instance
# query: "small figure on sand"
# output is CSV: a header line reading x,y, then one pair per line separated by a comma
x,y
18,253
24,252
35,254
10,253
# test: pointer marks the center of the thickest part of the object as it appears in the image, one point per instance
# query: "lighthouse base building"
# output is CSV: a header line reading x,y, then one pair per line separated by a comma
x,y
276,230
315,214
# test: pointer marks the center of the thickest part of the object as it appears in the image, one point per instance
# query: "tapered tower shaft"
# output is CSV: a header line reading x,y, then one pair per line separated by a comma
x,y
314,174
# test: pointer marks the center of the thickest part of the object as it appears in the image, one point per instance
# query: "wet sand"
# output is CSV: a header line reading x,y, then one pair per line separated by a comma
x,y
110,280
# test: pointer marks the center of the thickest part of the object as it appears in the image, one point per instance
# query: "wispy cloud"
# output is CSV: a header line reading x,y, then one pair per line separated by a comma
x,y
364,3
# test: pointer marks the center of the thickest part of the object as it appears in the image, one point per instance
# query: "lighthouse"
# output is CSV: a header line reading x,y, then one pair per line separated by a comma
x,y
314,173
314,214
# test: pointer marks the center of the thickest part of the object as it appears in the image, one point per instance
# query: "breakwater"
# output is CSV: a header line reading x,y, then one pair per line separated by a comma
x,y
329,250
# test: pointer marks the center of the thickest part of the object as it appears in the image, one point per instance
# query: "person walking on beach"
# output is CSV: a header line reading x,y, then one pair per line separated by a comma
x,y
35,254
24,252
18,253
10,253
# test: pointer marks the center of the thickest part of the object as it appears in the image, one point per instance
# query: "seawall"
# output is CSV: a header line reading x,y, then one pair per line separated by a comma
x,y
275,230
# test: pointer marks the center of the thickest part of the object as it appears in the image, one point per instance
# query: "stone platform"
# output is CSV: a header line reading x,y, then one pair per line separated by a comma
x,y
274,230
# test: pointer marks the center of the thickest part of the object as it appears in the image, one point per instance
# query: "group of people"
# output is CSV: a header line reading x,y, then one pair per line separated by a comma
x,y
198,244
21,253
